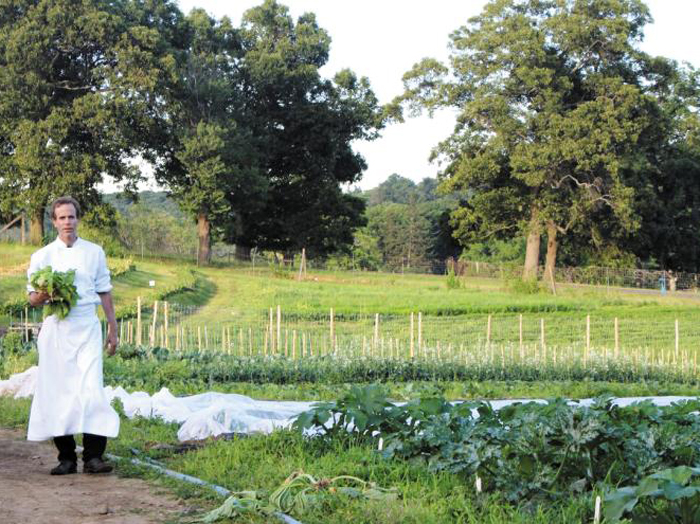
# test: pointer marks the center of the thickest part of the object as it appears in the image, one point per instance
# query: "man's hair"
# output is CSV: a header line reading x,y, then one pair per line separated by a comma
x,y
62,201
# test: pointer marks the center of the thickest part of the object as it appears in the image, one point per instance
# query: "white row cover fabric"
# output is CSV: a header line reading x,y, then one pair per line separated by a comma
x,y
211,414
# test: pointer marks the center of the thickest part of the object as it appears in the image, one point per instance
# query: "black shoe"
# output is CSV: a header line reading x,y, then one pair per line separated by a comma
x,y
65,467
97,465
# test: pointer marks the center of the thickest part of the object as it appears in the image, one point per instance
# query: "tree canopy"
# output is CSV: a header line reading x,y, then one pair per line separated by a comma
x,y
555,102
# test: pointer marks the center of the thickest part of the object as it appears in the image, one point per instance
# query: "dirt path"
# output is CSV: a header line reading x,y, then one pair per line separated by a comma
x,y
29,495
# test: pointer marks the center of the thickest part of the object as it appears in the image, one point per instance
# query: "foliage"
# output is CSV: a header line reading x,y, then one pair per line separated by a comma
x,y
79,83
63,295
12,344
297,494
525,451
678,487
558,110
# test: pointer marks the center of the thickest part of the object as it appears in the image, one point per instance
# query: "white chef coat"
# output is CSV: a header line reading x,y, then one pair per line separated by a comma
x,y
69,396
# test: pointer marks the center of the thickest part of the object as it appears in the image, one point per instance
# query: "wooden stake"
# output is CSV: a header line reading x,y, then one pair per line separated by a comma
x,y
332,339
376,329
155,319
520,330
138,321
223,338
165,319
544,346
272,335
294,345
420,334
199,338
488,331
588,335
617,337
677,338
412,351
279,329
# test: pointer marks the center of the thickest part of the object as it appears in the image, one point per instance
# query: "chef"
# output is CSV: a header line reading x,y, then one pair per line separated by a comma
x,y
69,396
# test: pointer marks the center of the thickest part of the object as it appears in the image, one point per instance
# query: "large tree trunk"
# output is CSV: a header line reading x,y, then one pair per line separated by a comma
x,y
36,228
551,261
532,251
204,234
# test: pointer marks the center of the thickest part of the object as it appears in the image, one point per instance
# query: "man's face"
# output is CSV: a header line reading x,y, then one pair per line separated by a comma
x,y
66,221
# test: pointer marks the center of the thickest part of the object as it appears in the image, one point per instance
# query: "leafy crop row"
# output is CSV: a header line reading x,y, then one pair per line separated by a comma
x,y
531,451
144,367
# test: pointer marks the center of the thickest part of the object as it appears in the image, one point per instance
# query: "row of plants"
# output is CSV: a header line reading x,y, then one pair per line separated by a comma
x,y
137,366
541,453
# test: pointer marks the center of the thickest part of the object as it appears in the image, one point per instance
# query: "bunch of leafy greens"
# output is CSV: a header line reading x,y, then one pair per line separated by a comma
x,y
296,495
63,294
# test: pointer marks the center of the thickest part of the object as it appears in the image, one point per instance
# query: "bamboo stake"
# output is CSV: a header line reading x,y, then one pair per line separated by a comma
x,y
303,345
294,345
286,342
240,341
138,321
617,338
206,338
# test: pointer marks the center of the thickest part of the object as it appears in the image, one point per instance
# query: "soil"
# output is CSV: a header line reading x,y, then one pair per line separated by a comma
x,y
29,495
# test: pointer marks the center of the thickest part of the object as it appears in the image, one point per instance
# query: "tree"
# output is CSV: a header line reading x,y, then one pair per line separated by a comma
x,y
552,102
78,83
304,126
209,164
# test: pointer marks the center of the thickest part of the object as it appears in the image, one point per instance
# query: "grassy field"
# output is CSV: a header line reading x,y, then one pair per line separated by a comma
x,y
225,332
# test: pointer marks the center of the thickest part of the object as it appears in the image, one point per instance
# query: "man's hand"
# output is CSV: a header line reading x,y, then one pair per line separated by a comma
x,y
112,342
38,298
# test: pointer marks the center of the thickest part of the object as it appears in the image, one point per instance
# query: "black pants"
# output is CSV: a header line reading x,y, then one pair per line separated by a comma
x,y
93,446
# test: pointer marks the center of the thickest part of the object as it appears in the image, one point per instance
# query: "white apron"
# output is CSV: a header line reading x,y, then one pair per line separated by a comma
x,y
69,396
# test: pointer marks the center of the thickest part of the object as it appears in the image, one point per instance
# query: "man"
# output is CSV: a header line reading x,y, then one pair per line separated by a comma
x,y
69,396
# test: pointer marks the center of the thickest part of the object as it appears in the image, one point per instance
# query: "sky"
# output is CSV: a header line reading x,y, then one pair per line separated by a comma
x,y
382,39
